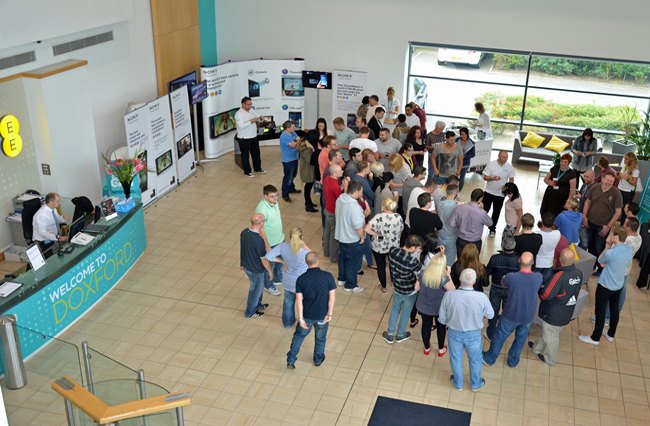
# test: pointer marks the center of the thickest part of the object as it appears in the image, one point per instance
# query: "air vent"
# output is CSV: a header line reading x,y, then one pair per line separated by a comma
x,y
82,43
20,59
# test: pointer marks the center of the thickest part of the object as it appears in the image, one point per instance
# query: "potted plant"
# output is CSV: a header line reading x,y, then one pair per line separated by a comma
x,y
630,117
639,134
124,169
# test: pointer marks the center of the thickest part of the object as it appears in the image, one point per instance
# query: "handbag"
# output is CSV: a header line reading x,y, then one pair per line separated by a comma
x,y
318,187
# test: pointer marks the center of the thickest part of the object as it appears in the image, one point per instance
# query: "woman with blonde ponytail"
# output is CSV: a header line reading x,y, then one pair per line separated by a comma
x,y
434,282
292,257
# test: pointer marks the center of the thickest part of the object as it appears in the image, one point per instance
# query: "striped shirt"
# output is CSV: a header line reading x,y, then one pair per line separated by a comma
x,y
403,269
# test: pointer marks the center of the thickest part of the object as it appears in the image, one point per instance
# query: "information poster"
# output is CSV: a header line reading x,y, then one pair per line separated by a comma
x,y
274,86
137,139
162,152
348,88
183,139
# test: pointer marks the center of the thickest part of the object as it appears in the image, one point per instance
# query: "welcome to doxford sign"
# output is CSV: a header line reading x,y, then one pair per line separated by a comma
x,y
57,305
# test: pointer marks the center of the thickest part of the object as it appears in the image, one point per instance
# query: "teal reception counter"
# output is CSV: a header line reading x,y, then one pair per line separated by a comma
x,y
54,297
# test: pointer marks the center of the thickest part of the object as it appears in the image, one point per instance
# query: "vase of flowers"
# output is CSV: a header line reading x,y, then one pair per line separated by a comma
x,y
124,169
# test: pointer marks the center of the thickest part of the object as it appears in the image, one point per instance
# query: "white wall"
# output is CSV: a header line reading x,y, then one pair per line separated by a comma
x,y
373,35
27,21
118,71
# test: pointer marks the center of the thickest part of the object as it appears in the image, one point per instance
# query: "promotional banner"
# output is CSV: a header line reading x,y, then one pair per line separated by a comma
x,y
137,139
183,140
162,154
644,202
274,86
348,89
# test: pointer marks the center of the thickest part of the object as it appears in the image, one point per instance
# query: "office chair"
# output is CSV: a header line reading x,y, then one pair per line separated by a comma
x,y
30,207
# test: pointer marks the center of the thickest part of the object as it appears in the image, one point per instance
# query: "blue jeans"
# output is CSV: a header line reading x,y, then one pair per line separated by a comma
x,y
300,334
547,273
440,180
400,313
449,242
367,251
290,172
498,297
469,341
350,255
505,329
621,300
584,237
463,172
277,274
254,302
289,309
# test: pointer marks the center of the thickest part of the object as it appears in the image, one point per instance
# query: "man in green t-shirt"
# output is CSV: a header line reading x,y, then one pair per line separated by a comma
x,y
272,234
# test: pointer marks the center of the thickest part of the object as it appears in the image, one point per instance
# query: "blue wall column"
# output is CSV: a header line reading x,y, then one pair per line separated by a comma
x,y
208,32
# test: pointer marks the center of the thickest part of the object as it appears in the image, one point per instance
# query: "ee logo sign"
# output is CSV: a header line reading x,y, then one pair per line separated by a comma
x,y
12,143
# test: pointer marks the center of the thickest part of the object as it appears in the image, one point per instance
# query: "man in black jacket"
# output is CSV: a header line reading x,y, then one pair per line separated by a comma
x,y
375,123
558,301
499,265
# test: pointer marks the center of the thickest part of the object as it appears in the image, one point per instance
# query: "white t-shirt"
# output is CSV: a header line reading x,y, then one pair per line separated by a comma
x,y
412,120
624,185
413,203
547,250
635,243
246,129
505,172
363,143
484,124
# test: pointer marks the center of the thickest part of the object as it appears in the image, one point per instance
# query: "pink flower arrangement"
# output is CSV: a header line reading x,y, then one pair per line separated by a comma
x,y
124,168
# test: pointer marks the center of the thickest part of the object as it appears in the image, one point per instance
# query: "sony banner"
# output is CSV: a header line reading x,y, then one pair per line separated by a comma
x,y
137,139
348,88
161,142
183,141
275,87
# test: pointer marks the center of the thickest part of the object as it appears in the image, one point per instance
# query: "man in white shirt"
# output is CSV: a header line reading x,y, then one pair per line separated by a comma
x,y
47,222
411,118
496,174
247,119
373,103
362,142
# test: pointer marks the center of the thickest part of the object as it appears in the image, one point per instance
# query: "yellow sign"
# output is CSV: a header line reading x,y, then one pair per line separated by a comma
x,y
12,143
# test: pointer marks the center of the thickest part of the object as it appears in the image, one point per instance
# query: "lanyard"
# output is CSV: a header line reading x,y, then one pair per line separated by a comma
x,y
559,175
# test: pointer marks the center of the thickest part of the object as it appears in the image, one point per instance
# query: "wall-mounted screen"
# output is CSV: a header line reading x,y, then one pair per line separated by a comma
x,y
317,79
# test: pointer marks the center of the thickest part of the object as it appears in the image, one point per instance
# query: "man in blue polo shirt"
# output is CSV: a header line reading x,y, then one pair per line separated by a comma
x,y
614,260
519,311
289,153
315,297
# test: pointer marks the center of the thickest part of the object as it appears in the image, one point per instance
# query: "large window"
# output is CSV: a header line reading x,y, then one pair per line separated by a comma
x,y
527,90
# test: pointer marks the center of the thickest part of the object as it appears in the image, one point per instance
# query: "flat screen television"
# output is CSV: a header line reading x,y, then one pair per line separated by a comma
x,y
188,79
222,123
317,79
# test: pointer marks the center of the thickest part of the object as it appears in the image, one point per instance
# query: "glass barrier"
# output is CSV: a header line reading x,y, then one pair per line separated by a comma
x,y
57,359
119,391
104,368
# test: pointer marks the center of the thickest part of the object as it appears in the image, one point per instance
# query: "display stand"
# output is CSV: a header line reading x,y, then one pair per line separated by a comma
x,y
197,153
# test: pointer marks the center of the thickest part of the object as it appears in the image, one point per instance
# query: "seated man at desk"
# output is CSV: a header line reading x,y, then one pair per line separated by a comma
x,y
47,223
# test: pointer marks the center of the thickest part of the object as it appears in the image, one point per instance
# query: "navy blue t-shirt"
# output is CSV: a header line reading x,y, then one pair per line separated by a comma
x,y
315,286
521,304
251,249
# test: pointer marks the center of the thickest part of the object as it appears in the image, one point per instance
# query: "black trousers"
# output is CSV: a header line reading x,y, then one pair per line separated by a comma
x,y
628,197
441,330
606,297
460,245
250,147
496,203
380,262
307,191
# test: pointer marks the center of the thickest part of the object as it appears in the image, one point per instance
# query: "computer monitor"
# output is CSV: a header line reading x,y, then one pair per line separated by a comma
x,y
79,224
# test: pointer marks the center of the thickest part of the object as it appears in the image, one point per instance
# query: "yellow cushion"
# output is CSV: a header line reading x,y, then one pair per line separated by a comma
x,y
532,140
575,251
556,145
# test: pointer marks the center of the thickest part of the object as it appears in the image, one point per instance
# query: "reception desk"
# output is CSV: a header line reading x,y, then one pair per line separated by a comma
x,y
65,288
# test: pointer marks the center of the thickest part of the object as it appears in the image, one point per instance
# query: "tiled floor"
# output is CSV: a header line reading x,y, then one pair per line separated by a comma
x,y
179,315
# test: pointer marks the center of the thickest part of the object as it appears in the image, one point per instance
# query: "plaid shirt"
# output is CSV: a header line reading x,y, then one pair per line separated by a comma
x,y
403,269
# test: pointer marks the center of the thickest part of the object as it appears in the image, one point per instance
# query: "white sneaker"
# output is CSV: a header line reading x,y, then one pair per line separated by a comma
x,y
587,339
273,291
609,339
277,284
340,283
358,290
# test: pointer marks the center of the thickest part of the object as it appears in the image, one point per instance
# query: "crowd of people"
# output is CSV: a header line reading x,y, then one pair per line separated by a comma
x,y
391,196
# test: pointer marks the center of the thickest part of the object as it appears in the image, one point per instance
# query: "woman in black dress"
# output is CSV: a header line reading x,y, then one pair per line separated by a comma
x,y
561,181
416,138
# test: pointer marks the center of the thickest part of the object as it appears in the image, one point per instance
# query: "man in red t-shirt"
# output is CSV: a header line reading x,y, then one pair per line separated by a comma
x,y
329,144
333,187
